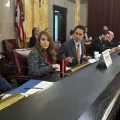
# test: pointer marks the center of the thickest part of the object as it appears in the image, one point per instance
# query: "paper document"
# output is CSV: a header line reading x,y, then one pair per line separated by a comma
x,y
43,84
67,68
92,60
30,87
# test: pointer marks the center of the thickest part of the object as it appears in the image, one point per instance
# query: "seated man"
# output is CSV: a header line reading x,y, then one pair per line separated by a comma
x,y
98,43
73,50
110,38
4,85
107,43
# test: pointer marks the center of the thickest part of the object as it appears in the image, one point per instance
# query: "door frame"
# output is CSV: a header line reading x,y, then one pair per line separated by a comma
x,y
64,10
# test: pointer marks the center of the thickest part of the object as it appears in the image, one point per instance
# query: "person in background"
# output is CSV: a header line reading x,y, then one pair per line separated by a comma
x,y
42,58
73,49
98,43
105,27
71,33
111,36
110,40
86,34
33,39
47,30
108,44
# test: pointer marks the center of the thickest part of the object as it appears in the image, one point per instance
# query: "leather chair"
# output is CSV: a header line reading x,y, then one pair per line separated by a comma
x,y
8,46
2,60
20,57
57,47
88,48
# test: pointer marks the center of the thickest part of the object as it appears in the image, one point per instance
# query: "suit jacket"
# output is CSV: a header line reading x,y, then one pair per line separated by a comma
x,y
68,49
98,45
36,65
32,41
111,44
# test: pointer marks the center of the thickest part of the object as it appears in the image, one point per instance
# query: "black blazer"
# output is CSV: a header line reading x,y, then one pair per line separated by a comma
x,y
68,49
32,41
107,44
98,45
111,44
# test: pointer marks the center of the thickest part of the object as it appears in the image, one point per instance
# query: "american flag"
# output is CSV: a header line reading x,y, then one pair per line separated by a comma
x,y
20,21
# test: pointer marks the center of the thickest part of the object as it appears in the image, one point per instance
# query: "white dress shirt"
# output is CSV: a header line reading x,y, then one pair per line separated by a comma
x,y
76,46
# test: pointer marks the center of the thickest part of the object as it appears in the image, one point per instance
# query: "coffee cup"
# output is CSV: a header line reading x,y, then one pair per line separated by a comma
x,y
96,55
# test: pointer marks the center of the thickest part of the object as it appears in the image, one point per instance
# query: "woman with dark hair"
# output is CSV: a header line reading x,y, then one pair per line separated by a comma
x,y
33,39
42,58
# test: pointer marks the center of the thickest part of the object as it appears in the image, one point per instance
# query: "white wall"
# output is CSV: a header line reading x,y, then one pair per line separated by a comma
x,y
6,20
70,14
7,29
83,13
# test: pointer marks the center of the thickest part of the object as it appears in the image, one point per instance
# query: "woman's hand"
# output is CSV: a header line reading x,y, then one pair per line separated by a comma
x,y
56,66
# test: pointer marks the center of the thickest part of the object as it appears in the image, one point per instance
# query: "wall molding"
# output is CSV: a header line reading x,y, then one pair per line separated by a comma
x,y
82,1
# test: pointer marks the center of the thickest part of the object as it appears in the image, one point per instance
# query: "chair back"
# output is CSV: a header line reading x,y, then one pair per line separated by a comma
x,y
8,46
2,62
57,47
20,57
88,48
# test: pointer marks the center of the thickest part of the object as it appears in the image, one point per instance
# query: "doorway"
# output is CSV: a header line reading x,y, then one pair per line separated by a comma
x,y
59,23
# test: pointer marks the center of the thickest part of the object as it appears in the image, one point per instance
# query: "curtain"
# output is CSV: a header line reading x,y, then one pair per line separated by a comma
x,y
104,12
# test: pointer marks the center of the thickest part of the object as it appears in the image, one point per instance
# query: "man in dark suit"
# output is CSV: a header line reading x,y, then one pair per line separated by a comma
x,y
98,43
110,40
70,47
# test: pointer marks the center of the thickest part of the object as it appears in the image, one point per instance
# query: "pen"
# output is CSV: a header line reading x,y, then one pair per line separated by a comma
x,y
34,88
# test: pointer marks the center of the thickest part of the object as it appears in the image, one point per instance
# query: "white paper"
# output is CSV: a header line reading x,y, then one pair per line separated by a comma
x,y
44,84
92,60
67,68
30,92
107,58
6,95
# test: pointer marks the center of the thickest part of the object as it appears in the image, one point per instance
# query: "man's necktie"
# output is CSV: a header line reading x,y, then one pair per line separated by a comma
x,y
78,53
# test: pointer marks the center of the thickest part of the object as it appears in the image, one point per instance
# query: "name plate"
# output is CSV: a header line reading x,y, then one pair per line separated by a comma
x,y
105,59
